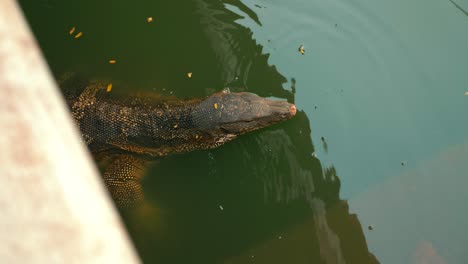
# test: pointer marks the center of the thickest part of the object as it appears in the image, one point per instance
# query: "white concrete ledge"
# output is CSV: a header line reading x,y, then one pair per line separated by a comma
x,y
53,206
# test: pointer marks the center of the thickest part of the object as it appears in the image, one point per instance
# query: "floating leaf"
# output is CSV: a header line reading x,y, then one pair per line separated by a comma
x,y
109,87
176,125
466,93
112,61
72,30
301,49
189,75
79,35
149,19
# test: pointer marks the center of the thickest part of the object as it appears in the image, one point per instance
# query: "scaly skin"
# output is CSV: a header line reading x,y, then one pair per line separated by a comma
x,y
135,129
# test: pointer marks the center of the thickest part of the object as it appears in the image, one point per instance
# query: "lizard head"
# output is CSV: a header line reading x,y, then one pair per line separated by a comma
x,y
228,115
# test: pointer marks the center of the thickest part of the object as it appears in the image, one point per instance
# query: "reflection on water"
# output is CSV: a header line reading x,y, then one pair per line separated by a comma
x,y
423,219
265,198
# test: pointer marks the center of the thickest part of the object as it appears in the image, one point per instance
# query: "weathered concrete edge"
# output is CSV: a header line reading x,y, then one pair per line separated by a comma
x,y
53,206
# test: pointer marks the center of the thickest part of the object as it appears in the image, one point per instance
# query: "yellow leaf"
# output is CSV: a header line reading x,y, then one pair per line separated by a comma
x,y
72,30
216,106
302,49
79,35
149,19
189,75
112,61
109,87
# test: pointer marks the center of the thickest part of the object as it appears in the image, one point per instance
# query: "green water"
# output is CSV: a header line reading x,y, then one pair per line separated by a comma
x,y
380,141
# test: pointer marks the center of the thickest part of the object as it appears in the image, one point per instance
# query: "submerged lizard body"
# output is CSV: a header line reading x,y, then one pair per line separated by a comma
x,y
134,130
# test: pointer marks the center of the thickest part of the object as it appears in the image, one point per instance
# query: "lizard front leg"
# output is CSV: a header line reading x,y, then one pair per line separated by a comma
x,y
123,179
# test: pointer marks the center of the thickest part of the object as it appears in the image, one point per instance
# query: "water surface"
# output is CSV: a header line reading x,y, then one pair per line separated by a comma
x,y
372,168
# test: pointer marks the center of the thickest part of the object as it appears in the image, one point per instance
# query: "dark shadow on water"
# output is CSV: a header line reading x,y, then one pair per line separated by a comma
x,y
264,197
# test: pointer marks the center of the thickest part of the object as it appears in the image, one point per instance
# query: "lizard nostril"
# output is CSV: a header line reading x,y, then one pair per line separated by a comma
x,y
293,110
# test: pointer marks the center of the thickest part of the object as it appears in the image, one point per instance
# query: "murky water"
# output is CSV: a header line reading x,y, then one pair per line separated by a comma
x,y
373,167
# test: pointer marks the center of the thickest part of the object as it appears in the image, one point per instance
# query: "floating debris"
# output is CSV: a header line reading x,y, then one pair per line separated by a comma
x,y
301,49
466,93
79,35
459,7
324,144
109,87
72,30
280,237
189,75
149,19
215,106
221,207
293,85
197,136
370,227
176,125
403,163
112,61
